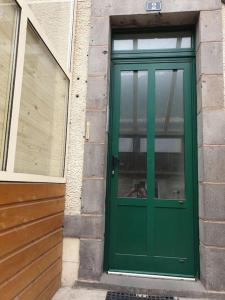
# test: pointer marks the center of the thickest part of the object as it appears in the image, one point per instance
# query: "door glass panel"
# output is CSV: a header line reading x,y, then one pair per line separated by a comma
x,y
169,135
133,135
152,41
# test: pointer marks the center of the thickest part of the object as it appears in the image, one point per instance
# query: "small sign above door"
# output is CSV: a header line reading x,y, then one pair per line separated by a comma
x,y
154,5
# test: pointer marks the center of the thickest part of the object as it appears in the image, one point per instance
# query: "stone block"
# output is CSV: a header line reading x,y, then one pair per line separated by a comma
x,y
200,164
91,259
101,8
200,129
94,160
93,196
100,31
97,94
212,202
210,56
213,268
210,26
98,60
131,7
97,120
190,5
81,226
202,264
214,164
213,127
211,91
212,234
199,96
69,273
71,250
154,19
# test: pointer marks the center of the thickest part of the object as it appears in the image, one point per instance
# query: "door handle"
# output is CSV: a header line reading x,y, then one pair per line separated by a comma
x,y
115,163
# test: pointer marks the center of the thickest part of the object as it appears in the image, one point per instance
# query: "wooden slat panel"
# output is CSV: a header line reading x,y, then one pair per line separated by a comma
x,y
17,192
23,235
48,293
11,216
42,282
18,260
31,218
20,281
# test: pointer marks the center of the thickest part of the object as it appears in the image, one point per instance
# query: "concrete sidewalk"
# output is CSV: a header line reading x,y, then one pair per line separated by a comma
x,y
86,294
81,294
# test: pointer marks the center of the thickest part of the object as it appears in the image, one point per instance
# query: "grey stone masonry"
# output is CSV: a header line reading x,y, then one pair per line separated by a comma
x,y
91,264
211,143
206,15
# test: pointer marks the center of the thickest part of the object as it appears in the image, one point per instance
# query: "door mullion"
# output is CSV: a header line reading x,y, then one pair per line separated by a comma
x,y
150,154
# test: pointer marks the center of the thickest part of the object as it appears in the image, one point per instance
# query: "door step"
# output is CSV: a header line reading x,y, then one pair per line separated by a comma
x,y
149,286
151,276
127,296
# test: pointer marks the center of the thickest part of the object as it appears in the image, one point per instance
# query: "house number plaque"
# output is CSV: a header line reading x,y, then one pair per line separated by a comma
x,y
155,5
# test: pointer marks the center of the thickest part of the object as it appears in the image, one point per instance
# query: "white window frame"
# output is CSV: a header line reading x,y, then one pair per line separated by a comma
x,y
26,15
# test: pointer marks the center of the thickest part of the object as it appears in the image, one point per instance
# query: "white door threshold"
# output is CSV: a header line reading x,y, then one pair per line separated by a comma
x,y
151,276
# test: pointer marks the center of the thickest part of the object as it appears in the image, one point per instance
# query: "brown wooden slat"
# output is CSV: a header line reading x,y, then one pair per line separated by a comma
x,y
23,235
14,263
42,282
21,192
53,287
11,216
20,281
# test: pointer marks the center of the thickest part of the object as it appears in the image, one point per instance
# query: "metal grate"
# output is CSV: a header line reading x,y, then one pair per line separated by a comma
x,y
127,296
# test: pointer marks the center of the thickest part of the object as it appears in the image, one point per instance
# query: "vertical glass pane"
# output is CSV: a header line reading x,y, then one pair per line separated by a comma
x,y
8,32
164,43
119,45
43,112
169,135
132,178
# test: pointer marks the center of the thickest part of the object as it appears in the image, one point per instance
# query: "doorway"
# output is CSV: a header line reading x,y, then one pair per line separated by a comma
x,y
151,197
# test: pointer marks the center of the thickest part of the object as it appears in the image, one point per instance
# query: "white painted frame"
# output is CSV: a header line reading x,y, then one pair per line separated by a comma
x,y
26,15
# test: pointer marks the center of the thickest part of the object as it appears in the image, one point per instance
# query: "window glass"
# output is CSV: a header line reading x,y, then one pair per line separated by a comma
x,y
152,41
169,135
9,15
43,112
56,19
132,177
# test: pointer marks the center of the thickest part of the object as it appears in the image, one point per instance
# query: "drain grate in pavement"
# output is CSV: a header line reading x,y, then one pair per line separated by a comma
x,y
127,296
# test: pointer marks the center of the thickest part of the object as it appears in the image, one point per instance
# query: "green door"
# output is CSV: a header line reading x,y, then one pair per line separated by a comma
x,y
151,174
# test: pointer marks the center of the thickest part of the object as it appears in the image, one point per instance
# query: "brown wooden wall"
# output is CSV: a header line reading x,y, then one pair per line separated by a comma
x,y
31,218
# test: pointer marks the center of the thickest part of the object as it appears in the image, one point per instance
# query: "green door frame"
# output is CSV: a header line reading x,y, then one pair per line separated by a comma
x,y
176,56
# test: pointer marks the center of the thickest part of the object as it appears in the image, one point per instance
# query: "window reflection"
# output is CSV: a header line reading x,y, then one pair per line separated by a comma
x,y
133,135
41,137
169,135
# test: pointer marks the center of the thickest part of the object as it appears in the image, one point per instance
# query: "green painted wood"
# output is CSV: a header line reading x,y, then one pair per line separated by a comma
x,y
153,236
